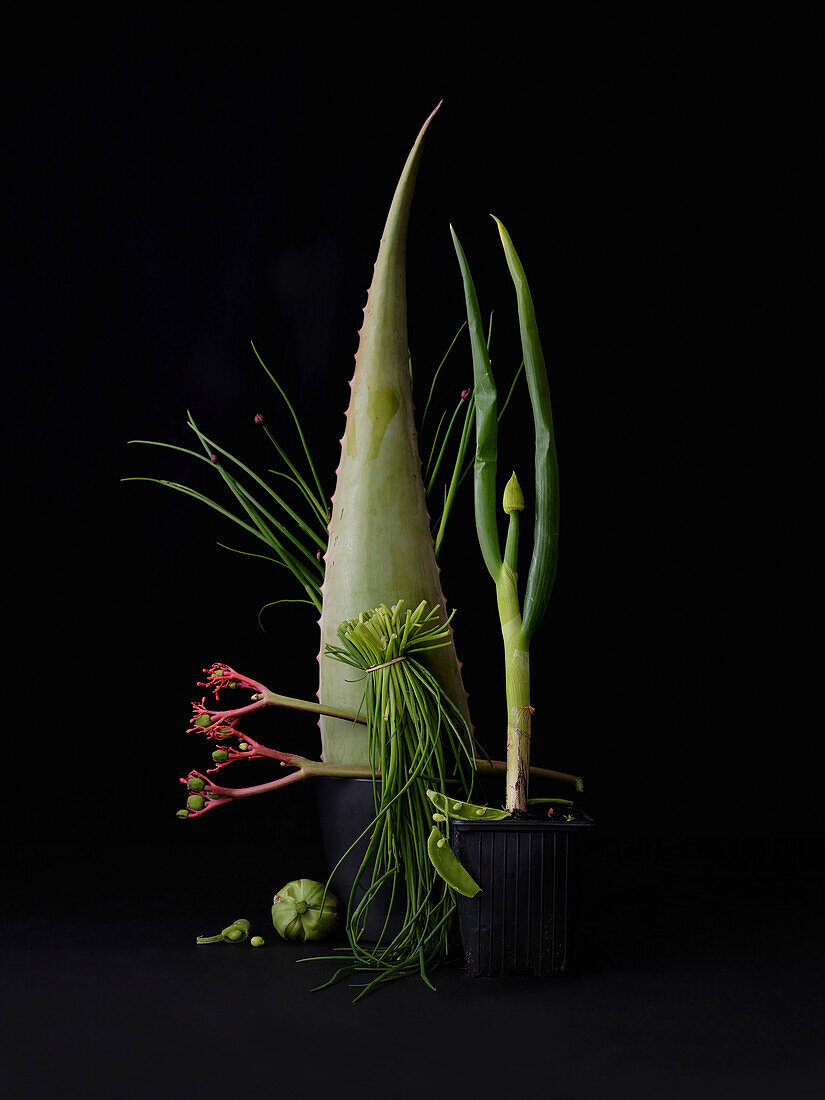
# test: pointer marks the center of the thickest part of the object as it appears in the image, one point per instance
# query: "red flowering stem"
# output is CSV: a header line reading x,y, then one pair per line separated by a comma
x,y
220,676
215,795
499,767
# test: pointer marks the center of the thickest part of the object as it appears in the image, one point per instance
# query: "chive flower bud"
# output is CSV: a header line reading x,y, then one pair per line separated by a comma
x,y
259,418
513,496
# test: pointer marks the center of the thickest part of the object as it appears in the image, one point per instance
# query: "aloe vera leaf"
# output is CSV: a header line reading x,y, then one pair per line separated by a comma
x,y
380,548
484,389
542,572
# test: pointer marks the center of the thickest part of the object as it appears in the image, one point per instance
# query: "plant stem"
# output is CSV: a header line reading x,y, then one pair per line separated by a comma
x,y
517,686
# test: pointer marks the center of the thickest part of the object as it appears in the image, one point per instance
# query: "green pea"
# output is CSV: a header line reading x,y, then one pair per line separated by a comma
x,y
465,811
257,941
448,865
236,932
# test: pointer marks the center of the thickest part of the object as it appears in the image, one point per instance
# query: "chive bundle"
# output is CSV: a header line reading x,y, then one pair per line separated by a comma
x,y
417,739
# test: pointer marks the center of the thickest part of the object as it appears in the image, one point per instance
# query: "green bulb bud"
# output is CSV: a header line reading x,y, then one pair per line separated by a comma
x,y
220,756
195,784
203,720
195,802
182,813
513,496
257,941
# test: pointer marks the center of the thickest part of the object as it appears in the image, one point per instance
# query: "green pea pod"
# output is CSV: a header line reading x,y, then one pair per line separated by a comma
x,y
236,932
447,864
464,811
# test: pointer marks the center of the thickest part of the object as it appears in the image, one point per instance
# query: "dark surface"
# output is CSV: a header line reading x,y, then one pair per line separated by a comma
x,y
702,976
174,190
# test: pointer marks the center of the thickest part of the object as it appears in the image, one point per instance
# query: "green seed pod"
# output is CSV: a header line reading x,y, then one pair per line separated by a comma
x,y
257,941
195,802
182,813
465,811
298,912
203,720
448,865
220,756
195,783
236,932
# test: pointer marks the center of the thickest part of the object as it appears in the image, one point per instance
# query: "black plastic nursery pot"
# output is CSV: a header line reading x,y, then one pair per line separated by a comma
x,y
346,807
523,920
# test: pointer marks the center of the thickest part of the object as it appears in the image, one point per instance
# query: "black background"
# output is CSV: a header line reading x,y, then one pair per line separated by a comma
x,y
177,190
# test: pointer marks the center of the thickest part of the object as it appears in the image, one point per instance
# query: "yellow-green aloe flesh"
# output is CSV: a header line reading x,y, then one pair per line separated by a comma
x,y
380,548
464,811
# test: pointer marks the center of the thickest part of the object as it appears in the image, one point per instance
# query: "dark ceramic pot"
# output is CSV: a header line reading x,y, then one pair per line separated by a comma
x,y
346,808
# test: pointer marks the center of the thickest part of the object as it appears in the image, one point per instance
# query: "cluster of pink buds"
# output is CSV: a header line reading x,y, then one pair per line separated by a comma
x,y
221,727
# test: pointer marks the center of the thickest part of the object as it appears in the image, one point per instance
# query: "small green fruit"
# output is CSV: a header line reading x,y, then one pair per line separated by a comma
x,y
182,813
195,783
220,756
257,941
195,802
298,914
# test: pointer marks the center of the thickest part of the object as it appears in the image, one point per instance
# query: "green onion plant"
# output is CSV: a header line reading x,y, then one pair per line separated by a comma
x,y
518,621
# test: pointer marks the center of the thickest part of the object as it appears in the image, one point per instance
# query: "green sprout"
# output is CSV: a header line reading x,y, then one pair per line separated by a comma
x,y
518,622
